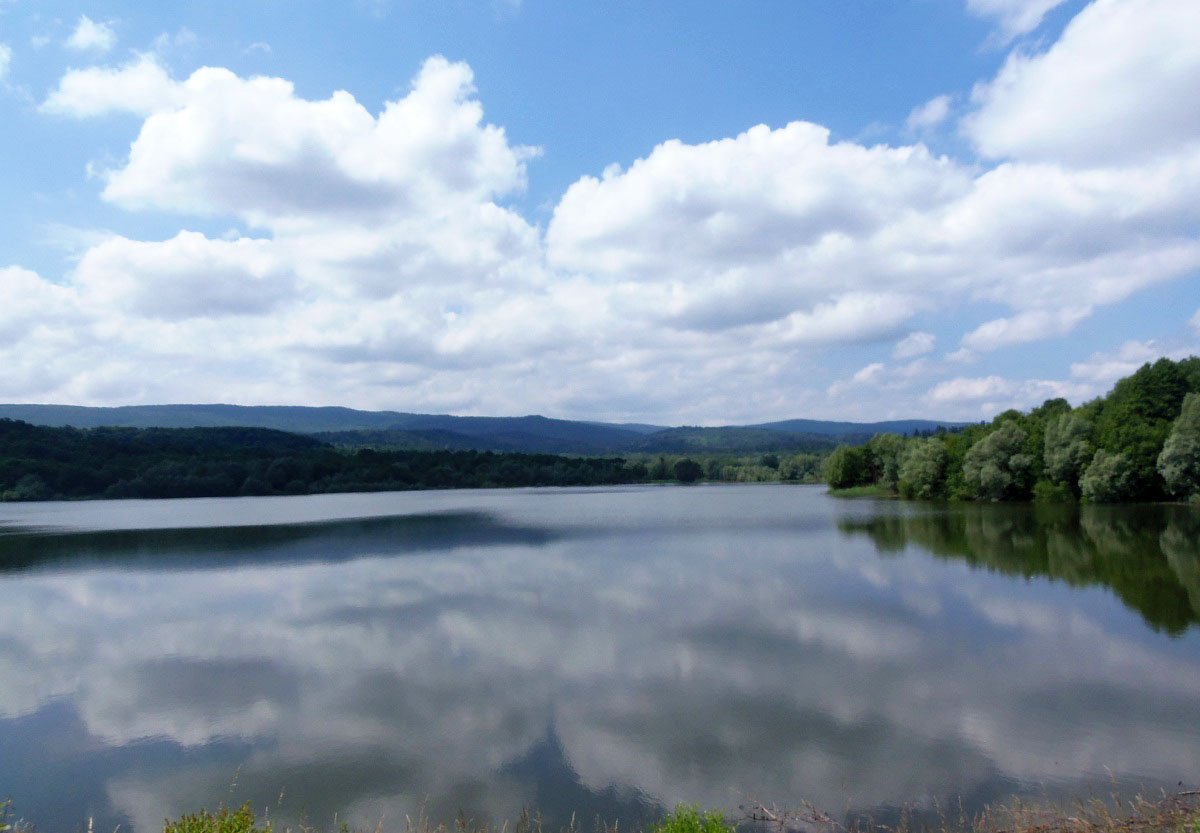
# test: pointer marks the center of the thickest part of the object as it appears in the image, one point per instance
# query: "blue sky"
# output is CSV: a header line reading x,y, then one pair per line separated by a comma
x,y
698,212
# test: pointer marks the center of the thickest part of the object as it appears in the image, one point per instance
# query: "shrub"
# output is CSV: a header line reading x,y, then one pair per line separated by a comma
x,y
237,821
687,818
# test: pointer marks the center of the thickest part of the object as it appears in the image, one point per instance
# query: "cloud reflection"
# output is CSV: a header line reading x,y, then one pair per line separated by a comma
x,y
614,648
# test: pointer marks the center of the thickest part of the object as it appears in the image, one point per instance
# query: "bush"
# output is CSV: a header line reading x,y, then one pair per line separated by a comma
x,y
688,819
238,821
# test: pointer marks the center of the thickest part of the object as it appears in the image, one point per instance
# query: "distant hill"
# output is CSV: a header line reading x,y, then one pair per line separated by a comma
x,y
348,427
840,429
732,440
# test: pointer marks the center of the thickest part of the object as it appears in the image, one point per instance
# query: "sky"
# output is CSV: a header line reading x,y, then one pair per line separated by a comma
x,y
699,212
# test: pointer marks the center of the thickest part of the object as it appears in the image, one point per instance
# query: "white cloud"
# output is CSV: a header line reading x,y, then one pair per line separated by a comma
x,y
92,36
1117,87
914,344
5,60
1033,325
993,394
386,269
1014,17
870,373
930,114
1194,322
250,148
185,277
1105,368
141,87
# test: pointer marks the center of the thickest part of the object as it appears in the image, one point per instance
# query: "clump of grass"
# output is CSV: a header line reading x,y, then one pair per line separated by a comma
x,y
240,820
687,818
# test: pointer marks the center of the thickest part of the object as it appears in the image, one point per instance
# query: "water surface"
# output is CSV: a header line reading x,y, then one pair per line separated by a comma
x,y
591,651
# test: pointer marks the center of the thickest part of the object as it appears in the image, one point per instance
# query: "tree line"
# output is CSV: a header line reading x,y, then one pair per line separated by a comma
x,y
45,463
1141,442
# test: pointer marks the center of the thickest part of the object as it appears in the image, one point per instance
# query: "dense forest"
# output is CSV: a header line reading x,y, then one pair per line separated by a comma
x,y
43,463
1141,442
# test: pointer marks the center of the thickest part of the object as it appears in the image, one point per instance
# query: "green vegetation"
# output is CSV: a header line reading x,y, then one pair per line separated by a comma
x,y
1141,442
687,818
224,821
40,463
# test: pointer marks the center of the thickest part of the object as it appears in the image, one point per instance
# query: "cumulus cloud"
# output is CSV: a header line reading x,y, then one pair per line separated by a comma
x,y
187,276
1014,17
256,150
141,87
1118,87
1033,325
385,266
914,344
91,36
990,394
930,114
1106,367
5,60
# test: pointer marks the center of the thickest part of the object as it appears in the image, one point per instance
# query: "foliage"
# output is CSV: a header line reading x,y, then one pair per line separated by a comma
x,y
224,821
688,819
1067,448
1107,479
1179,462
1139,443
996,467
923,469
1136,417
848,466
886,451
38,462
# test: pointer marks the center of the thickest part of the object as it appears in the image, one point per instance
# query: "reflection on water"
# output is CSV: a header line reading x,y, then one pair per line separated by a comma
x,y
1148,555
601,652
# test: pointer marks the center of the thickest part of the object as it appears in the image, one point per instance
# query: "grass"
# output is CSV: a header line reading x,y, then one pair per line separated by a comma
x,y
1178,813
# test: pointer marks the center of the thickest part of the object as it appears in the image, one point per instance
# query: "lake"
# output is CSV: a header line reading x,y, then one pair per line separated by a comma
x,y
603,652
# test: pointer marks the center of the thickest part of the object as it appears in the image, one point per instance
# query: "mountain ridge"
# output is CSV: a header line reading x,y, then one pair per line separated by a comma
x,y
529,433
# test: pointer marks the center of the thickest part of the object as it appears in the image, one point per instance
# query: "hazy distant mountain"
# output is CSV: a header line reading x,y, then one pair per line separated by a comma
x,y
836,429
395,429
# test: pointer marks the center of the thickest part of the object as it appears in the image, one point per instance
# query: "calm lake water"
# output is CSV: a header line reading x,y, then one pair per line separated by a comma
x,y
597,651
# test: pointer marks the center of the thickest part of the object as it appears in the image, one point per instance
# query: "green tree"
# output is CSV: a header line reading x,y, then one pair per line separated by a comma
x,y
886,450
997,467
1107,479
1135,419
1068,448
846,467
1179,462
923,469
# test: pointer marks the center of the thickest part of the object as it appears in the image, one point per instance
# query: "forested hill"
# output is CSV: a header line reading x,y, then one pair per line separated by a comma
x,y
350,428
46,463
1141,442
